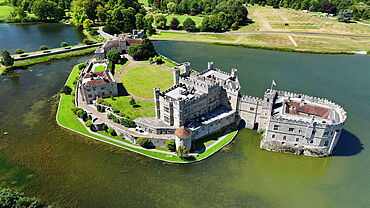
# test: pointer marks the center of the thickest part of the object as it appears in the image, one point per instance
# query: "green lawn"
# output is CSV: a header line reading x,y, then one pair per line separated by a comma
x,y
140,80
142,108
145,2
5,11
182,18
99,68
73,75
167,62
118,67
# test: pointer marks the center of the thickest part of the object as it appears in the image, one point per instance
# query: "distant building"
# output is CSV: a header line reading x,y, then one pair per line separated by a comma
x,y
97,84
120,43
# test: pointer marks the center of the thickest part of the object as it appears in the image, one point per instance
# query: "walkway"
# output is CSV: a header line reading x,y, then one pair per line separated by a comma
x,y
104,34
133,63
58,51
269,32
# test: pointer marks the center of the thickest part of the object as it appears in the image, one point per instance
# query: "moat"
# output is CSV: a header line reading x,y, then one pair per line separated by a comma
x,y
74,171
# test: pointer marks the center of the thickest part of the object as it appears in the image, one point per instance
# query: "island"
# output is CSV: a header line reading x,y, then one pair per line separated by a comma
x,y
197,113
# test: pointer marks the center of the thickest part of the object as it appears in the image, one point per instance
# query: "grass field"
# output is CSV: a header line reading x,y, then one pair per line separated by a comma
x,y
140,80
182,18
141,109
118,67
99,68
5,11
145,2
269,19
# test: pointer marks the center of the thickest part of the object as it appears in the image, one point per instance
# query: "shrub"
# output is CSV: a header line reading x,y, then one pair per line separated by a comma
x,y
128,123
81,66
87,41
89,123
112,132
142,141
19,51
104,127
170,144
189,25
174,23
158,60
66,90
142,51
74,109
43,47
82,114
64,44
132,101
122,60
235,26
182,152
110,116
100,108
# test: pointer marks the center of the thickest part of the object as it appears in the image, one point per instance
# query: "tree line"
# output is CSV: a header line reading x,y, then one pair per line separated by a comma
x,y
360,8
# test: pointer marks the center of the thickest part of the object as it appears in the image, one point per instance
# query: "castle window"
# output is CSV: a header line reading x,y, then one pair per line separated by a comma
x,y
276,127
311,141
297,139
313,132
291,129
299,131
166,119
326,143
273,136
103,93
326,133
284,137
252,109
283,143
166,109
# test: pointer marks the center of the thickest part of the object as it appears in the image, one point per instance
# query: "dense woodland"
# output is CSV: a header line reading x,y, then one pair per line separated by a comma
x,y
119,16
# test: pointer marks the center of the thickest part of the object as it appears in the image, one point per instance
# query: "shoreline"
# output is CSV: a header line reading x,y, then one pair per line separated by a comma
x,y
292,50
80,128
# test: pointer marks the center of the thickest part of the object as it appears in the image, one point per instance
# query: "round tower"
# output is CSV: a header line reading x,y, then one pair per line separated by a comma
x,y
183,137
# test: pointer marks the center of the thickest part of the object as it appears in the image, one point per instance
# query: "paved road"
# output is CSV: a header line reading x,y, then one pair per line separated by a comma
x,y
269,32
59,51
104,34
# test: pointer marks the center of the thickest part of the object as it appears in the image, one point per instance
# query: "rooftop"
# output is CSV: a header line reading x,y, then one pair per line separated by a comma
x,y
182,93
97,78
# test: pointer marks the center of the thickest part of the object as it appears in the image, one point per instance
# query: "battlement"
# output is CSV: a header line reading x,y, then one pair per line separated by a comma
x,y
315,100
247,98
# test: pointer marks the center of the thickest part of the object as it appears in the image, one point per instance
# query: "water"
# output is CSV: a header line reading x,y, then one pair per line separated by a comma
x,y
30,37
69,170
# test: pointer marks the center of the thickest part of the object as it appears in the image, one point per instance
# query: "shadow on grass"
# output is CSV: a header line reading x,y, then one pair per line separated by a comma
x,y
121,90
349,144
136,106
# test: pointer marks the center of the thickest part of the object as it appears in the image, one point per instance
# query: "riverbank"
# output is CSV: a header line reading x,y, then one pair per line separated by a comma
x,y
66,119
272,41
46,59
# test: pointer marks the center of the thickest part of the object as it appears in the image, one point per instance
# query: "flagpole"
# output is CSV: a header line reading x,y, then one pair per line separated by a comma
x,y
272,84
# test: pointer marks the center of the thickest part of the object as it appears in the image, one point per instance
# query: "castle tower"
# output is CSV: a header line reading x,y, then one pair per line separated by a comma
x,y
183,138
210,65
156,101
176,76
187,68
234,73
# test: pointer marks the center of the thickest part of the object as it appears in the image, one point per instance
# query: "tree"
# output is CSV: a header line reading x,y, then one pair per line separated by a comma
x,y
171,7
82,114
170,145
328,7
345,15
63,44
174,23
102,13
74,109
46,9
128,123
87,23
160,21
235,26
6,60
112,132
143,141
43,47
19,51
142,51
66,90
139,22
20,12
91,10
12,199
113,56
189,25
182,152
132,101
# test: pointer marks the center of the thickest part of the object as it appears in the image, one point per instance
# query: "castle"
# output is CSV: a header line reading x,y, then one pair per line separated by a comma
x,y
201,104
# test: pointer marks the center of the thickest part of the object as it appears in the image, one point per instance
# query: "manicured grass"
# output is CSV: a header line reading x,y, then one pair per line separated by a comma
x,y
145,2
52,58
5,11
141,109
99,68
140,80
73,75
182,18
118,67
167,62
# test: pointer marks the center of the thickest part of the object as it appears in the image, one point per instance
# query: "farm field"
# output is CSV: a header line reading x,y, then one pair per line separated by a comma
x,y
289,20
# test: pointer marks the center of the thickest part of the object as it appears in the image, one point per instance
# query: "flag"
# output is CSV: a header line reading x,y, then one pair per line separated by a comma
x,y
273,83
